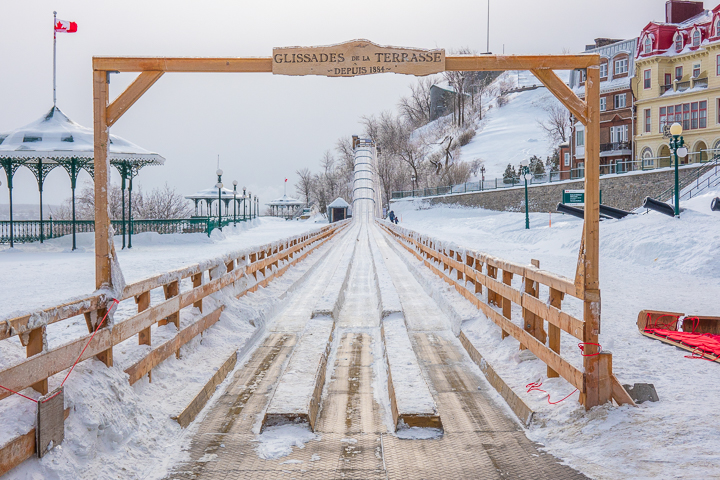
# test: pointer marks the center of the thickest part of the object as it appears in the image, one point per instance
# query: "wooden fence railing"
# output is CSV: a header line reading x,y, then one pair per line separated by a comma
x,y
463,267
270,261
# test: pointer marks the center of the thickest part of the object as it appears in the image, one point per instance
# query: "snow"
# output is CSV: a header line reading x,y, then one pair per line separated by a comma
x,y
411,392
511,133
297,384
116,430
278,441
418,433
647,261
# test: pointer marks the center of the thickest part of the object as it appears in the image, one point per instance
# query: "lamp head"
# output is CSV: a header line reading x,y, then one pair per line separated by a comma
x,y
676,129
235,182
219,172
682,152
218,185
524,163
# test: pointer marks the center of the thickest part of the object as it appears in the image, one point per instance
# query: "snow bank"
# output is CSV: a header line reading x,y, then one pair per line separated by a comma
x,y
646,262
278,441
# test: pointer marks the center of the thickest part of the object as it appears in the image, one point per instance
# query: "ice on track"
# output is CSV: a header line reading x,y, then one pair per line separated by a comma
x,y
332,298
389,299
278,441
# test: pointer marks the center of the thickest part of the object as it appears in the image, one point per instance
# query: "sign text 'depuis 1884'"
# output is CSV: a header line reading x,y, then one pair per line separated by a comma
x,y
357,57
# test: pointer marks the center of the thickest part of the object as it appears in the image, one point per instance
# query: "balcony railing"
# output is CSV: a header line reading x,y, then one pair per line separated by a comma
x,y
700,82
611,147
682,86
665,88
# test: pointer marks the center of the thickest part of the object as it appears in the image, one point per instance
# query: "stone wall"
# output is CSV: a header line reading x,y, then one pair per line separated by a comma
x,y
625,191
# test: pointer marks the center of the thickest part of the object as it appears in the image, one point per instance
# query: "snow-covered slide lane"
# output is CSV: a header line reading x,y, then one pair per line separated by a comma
x,y
297,396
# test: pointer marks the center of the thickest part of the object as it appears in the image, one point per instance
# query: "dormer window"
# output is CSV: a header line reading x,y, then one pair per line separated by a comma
x,y
31,138
678,42
648,45
696,38
717,28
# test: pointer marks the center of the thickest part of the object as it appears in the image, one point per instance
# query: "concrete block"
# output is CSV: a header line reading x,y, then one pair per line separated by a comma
x,y
642,392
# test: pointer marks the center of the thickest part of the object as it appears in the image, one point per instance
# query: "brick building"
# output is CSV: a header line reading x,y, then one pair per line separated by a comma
x,y
678,80
617,70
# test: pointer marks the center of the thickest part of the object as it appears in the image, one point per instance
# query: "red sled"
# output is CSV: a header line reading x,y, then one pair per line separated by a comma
x,y
698,335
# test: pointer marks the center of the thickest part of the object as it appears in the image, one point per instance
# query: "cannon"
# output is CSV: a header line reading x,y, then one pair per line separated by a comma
x,y
613,212
715,204
661,207
576,212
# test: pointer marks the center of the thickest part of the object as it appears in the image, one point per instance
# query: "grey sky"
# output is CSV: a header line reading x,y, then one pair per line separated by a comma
x,y
264,127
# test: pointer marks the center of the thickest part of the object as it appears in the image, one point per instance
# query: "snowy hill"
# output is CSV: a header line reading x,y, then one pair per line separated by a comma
x,y
511,133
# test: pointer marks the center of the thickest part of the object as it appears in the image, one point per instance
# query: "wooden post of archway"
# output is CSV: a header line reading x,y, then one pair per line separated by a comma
x,y
597,386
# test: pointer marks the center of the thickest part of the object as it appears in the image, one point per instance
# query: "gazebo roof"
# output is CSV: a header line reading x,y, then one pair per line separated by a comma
x,y
212,194
286,201
339,203
55,137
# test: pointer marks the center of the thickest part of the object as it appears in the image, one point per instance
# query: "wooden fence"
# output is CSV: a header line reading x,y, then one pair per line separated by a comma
x,y
460,268
270,261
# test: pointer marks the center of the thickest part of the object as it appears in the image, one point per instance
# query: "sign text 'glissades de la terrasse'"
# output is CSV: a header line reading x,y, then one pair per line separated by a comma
x,y
357,57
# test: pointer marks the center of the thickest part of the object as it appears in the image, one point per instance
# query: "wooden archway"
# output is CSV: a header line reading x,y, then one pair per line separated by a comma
x,y
106,113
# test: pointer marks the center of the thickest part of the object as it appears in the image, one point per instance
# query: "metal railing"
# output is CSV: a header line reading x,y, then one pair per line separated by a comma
x,y
665,88
694,176
682,86
556,176
26,231
614,146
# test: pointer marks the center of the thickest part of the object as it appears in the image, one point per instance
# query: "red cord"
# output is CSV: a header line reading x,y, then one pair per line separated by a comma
x,y
115,301
582,349
535,387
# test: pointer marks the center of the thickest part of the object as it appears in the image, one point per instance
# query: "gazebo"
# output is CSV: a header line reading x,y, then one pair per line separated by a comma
x,y
284,206
206,198
53,141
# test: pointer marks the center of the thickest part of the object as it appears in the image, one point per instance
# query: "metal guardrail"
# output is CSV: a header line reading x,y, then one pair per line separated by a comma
x,y
500,183
26,231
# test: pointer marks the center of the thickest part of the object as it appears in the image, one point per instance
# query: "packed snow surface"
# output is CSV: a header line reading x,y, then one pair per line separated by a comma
x,y
647,261
278,441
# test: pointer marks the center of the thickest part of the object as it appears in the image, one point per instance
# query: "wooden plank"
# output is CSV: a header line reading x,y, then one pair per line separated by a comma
x,y
188,65
50,421
197,280
103,239
558,282
48,316
198,403
19,449
162,352
554,316
556,298
712,358
34,346
563,93
131,95
520,62
507,303
520,408
595,391
143,303
171,290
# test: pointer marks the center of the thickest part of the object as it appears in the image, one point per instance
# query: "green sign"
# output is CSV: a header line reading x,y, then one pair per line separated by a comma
x,y
575,196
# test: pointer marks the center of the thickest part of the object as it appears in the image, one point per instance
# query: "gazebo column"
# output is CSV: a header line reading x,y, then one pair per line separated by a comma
x,y
73,184
123,174
196,206
130,214
9,173
41,171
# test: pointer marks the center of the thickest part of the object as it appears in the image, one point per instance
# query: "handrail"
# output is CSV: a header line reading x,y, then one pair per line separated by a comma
x,y
228,269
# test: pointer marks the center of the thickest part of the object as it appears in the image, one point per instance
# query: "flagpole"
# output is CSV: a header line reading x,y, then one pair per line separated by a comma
x,y
54,58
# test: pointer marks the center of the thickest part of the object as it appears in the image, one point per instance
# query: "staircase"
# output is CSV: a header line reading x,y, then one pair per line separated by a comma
x,y
695,182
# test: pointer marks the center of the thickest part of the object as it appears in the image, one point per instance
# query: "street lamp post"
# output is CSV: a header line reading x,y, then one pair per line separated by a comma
x,y
677,146
482,173
250,206
257,206
244,205
525,171
235,182
219,186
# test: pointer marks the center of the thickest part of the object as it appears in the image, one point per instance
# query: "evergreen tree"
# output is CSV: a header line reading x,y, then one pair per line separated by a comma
x,y
510,175
537,168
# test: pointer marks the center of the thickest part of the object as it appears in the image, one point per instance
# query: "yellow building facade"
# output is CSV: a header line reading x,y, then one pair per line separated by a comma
x,y
677,79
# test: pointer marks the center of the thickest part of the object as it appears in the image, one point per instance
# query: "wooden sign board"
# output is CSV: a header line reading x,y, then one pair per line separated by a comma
x,y
50,427
354,58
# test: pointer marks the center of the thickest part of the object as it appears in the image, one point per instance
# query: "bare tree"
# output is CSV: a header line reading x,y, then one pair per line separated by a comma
x,y
557,123
304,186
417,107
165,203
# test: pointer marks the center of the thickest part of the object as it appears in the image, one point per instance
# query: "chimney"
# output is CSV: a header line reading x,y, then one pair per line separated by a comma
x,y
677,11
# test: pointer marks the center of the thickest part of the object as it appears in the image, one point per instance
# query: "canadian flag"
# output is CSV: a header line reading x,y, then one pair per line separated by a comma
x,y
286,180
65,26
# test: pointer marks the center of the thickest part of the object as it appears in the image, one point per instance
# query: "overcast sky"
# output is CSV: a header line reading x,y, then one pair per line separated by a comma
x,y
264,127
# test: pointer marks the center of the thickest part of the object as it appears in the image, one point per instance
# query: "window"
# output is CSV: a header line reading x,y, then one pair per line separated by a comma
x,y
567,159
580,138
678,73
603,69
648,122
648,45
694,115
685,116
620,100
646,78
717,28
619,133
696,70
603,104
696,38
581,76
621,66
703,114
663,118
678,114
647,159
717,63
678,41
